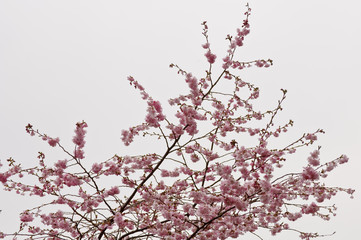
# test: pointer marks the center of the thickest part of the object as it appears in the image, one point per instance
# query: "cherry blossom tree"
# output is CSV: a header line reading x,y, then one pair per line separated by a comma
x,y
207,183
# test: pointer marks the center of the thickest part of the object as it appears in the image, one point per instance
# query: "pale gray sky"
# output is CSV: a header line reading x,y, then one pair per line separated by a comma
x,y
67,61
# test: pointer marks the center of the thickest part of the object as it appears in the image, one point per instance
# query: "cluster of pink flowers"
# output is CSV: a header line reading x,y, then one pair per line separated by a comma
x,y
204,185
211,58
52,142
314,159
155,114
311,209
78,139
26,217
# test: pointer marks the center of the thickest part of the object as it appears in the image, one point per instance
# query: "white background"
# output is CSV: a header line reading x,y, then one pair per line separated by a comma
x,y
67,61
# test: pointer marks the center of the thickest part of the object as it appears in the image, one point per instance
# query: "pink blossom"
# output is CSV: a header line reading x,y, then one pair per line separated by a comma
x,y
260,63
257,115
224,170
194,158
311,137
118,219
310,174
206,45
204,211
311,209
239,41
227,62
155,114
79,153
135,83
294,216
165,173
4,177
53,141
71,180
193,85
210,57
80,134
113,191
96,168
61,164
127,137
26,217
314,158
343,159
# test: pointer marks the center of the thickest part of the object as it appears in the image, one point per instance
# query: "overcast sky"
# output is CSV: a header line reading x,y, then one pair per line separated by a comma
x,y
67,61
